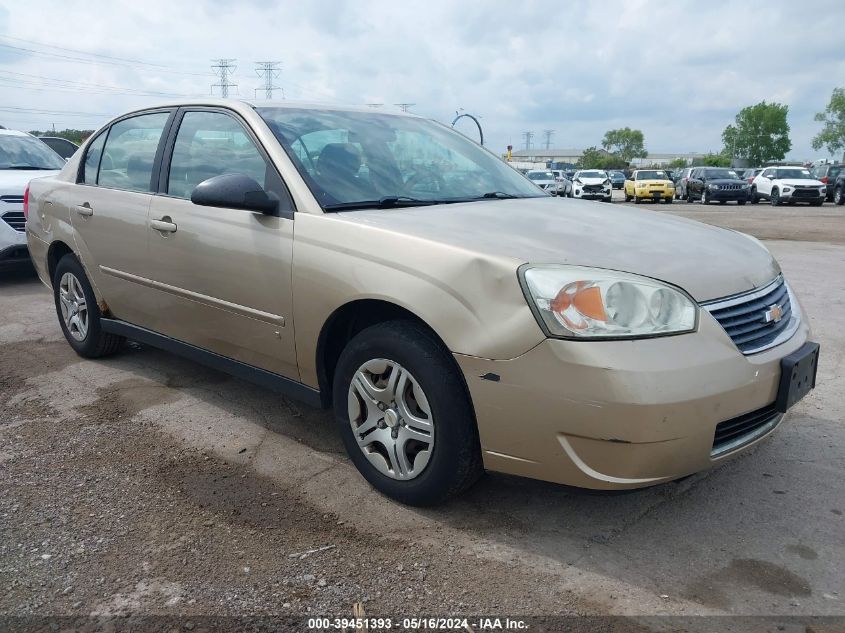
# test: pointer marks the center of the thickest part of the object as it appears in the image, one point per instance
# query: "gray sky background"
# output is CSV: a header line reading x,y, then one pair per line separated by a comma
x,y
679,71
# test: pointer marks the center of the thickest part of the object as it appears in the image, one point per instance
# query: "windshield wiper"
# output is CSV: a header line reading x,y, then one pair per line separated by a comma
x,y
386,202
29,168
499,195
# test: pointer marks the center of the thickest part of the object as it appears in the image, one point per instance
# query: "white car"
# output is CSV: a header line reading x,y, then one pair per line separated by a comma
x,y
565,184
546,180
22,158
592,184
782,185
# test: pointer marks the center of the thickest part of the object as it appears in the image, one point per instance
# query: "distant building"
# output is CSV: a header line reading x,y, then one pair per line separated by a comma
x,y
547,156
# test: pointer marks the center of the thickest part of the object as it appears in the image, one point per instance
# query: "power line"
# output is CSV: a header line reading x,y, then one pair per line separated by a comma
x,y
224,68
547,135
95,62
67,85
374,105
269,71
527,137
404,106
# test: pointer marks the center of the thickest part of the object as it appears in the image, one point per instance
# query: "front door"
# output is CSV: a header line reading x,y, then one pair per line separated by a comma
x,y
223,275
108,210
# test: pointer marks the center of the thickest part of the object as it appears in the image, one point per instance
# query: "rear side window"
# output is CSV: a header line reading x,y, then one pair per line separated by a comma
x,y
92,160
210,144
130,151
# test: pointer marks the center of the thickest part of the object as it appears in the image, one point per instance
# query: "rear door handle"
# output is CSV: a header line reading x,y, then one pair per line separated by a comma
x,y
164,225
84,209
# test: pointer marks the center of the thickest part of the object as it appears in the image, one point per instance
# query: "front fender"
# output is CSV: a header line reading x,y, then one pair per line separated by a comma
x,y
472,301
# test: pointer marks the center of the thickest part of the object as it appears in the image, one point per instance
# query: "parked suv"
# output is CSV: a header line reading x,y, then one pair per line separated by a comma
x,y
827,174
455,316
838,187
22,158
716,184
592,184
788,184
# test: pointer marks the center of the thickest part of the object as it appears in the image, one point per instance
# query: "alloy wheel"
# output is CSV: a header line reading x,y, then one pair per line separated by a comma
x,y
74,307
837,196
391,419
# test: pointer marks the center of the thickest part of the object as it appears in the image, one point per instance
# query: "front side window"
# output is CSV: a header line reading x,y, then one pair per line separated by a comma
x,y
27,153
352,159
211,144
92,160
130,151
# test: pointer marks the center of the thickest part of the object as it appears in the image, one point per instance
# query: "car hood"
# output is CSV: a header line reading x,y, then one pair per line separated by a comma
x,y
725,181
706,261
592,181
661,181
804,182
14,181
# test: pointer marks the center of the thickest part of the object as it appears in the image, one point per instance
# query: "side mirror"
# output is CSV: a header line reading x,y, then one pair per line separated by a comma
x,y
234,191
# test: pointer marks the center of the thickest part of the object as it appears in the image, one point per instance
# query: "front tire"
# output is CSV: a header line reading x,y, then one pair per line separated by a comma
x,y
704,198
839,196
404,414
775,199
754,198
78,312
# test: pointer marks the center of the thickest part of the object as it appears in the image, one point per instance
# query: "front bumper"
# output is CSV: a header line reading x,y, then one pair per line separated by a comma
x,y
652,193
600,194
13,249
619,414
728,194
803,196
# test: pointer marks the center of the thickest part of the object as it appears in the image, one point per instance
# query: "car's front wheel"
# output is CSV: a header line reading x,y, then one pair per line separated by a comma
x,y
775,197
839,196
705,199
404,414
78,312
753,197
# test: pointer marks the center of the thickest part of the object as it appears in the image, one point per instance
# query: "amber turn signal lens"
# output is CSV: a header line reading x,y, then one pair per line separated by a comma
x,y
585,299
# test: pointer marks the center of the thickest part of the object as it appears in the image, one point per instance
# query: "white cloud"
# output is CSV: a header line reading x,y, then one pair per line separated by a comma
x,y
677,70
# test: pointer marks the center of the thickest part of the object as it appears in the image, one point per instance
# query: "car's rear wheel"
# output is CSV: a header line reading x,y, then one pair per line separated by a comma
x,y
78,312
404,414
705,199
741,202
753,197
690,199
839,196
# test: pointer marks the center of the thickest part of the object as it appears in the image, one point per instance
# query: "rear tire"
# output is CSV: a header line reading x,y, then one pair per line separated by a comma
x,y
753,197
428,387
839,196
78,312
704,198
741,202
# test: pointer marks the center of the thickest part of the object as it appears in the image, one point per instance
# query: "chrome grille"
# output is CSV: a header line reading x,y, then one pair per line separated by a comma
x,y
751,319
15,219
730,187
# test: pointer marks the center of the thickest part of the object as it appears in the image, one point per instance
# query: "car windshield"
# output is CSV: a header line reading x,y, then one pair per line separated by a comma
x,y
793,173
728,174
27,152
364,159
592,174
541,175
651,175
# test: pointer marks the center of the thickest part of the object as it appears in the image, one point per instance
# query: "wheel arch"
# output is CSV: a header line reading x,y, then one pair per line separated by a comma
x,y
55,252
350,319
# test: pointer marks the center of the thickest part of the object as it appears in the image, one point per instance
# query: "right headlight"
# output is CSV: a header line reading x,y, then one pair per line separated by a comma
x,y
593,303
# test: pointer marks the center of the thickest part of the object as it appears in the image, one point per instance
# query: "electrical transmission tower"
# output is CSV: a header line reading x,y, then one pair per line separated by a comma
x,y
404,106
269,71
225,68
527,137
547,135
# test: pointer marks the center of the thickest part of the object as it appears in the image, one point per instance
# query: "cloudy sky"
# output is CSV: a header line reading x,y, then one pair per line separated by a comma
x,y
679,71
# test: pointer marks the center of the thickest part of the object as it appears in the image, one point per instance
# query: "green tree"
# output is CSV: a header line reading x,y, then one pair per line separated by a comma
x,y
678,163
716,160
832,135
760,133
626,143
76,136
591,158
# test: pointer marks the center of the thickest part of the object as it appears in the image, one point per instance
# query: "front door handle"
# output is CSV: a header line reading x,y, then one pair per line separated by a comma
x,y
84,209
164,225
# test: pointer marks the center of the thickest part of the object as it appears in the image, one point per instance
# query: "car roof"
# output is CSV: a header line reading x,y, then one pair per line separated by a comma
x,y
13,133
244,104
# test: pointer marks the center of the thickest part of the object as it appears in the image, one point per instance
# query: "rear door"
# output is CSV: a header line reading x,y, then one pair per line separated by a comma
x,y
223,275
108,210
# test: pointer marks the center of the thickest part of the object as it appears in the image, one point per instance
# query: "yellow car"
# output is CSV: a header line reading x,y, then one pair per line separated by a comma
x,y
649,184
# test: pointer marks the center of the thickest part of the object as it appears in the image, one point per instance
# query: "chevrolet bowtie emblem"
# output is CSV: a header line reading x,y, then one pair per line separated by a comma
x,y
774,313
